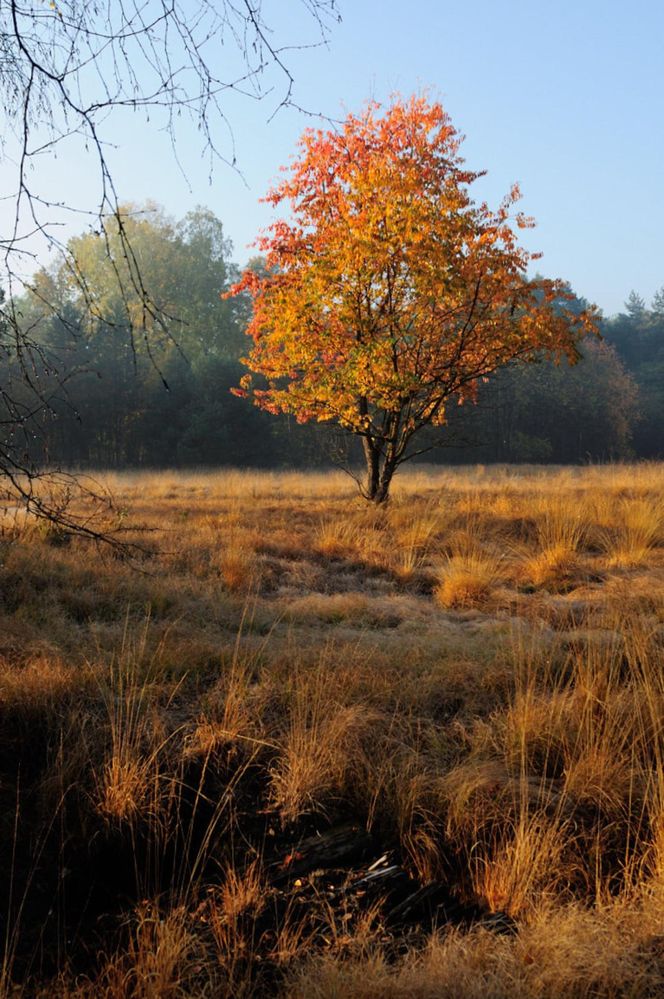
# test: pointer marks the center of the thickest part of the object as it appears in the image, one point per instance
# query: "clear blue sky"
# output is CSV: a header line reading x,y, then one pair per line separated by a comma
x,y
566,97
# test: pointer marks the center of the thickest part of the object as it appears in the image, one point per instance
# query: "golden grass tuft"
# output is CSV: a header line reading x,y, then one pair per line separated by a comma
x,y
238,566
163,960
524,867
242,891
338,538
124,788
554,567
639,528
317,754
466,580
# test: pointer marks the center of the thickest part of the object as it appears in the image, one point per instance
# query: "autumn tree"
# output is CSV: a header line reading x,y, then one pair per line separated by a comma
x,y
388,292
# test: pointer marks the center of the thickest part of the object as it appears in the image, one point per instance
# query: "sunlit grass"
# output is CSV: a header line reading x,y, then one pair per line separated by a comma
x,y
466,580
278,662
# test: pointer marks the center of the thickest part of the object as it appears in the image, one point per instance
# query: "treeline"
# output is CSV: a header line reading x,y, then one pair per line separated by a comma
x,y
163,397
126,387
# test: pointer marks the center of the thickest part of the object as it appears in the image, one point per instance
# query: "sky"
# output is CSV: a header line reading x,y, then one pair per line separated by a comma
x,y
566,97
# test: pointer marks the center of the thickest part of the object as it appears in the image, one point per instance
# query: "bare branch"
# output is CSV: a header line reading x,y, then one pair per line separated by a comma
x,y
67,68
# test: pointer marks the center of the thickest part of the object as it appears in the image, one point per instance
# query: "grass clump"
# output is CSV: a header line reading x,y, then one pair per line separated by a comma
x,y
466,580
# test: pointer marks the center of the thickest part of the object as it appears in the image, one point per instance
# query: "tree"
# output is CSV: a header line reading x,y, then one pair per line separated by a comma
x,y
549,412
657,306
635,305
68,69
638,336
116,411
389,293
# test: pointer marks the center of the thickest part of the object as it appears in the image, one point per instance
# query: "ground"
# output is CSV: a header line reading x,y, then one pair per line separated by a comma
x,y
295,745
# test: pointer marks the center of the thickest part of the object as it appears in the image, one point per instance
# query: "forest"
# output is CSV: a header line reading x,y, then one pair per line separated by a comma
x,y
106,398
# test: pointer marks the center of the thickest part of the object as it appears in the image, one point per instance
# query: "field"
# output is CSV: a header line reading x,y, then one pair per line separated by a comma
x,y
302,747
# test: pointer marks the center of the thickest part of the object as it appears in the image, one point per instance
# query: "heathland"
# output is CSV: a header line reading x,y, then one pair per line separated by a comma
x,y
297,745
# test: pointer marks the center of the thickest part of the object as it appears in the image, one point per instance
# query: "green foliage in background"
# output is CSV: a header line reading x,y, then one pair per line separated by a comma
x,y
164,399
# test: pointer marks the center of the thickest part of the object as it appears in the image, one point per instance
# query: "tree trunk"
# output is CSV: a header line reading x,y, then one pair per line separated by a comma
x,y
372,455
379,474
385,478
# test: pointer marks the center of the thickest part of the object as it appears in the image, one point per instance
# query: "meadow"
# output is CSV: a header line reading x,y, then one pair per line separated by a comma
x,y
295,745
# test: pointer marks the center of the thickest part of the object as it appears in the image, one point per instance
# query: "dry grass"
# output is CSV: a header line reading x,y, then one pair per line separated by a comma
x,y
238,568
474,674
319,750
466,580
638,529
563,952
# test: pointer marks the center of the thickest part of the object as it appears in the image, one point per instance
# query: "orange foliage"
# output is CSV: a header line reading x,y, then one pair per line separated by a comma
x,y
389,292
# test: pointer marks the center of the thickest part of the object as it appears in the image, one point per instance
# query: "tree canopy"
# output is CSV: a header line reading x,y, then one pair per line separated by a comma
x,y
112,408
388,292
